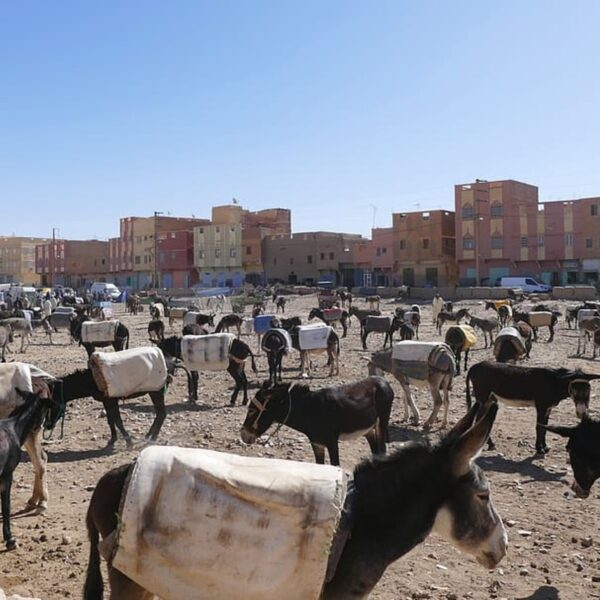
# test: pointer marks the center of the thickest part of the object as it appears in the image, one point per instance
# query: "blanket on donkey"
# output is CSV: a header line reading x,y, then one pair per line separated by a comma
x,y
512,335
158,307
378,324
540,319
12,376
248,326
332,314
415,359
586,313
499,303
129,372
262,323
206,352
282,334
190,317
469,335
60,320
205,525
313,337
99,331
176,312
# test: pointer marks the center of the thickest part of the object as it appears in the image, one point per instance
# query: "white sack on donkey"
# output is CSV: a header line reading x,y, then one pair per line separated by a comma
x,y
206,352
129,372
313,337
253,527
94,332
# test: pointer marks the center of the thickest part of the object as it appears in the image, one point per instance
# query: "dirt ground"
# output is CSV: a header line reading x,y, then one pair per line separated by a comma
x,y
554,538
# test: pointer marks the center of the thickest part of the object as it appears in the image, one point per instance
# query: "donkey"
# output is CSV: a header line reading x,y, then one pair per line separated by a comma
x,y
325,416
317,313
276,347
287,324
332,349
373,302
407,332
196,318
14,431
231,320
458,341
81,384
538,319
507,351
58,320
439,378
542,388
455,317
487,325
421,488
22,327
376,325
156,330
587,326
361,315
280,304
6,338
133,304
239,352
504,312
345,297
584,453
120,341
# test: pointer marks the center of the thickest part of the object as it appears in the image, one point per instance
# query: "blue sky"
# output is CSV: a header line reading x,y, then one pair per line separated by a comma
x,y
329,108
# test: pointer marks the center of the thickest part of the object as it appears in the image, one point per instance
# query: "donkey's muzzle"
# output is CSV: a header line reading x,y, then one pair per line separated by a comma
x,y
247,436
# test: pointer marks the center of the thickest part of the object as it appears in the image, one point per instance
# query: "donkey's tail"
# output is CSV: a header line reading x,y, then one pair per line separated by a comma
x,y
94,586
253,362
467,380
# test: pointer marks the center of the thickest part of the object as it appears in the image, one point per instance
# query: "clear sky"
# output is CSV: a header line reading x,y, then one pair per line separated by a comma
x,y
110,109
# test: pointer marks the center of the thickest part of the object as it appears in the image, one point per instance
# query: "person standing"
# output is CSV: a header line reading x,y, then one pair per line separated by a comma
x,y
437,306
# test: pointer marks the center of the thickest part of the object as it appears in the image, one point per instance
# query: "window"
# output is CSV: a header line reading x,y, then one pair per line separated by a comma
x,y
232,252
161,257
524,242
569,239
217,252
145,259
248,250
425,243
594,210
588,243
309,259
274,260
497,242
468,243
331,255
322,255
402,244
201,230
218,229
467,211
541,241
200,254
145,238
291,261
496,210
232,229
378,252
384,251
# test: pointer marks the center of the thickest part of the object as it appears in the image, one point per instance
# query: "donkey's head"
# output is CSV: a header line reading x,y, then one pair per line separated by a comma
x,y
313,313
584,453
467,518
270,403
580,389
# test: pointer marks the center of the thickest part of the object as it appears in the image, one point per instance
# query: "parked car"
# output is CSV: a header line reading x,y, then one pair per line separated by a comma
x,y
528,284
102,288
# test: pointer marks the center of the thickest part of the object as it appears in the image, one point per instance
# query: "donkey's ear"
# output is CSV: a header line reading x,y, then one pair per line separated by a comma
x,y
562,431
471,443
466,422
21,392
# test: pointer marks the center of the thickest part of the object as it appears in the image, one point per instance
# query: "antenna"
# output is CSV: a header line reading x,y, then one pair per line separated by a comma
x,y
374,213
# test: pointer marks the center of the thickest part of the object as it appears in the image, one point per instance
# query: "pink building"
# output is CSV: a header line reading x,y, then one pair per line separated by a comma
x,y
176,259
382,256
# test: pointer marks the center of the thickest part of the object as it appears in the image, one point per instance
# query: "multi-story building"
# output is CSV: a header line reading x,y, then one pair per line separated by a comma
x,y
137,246
362,261
382,257
17,260
496,230
72,263
502,230
229,250
423,248
311,257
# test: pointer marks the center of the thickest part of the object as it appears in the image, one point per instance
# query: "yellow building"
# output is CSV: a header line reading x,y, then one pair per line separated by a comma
x,y
17,260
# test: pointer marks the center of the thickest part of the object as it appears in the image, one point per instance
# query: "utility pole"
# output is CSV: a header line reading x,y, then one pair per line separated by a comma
x,y
478,219
52,257
157,213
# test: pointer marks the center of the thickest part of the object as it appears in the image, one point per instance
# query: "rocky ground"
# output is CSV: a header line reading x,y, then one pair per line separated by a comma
x,y
554,538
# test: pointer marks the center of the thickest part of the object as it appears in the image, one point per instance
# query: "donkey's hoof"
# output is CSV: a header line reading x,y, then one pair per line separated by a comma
x,y
11,544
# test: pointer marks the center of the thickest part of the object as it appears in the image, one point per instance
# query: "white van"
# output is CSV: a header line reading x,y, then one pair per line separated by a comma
x,y
528,284
102,288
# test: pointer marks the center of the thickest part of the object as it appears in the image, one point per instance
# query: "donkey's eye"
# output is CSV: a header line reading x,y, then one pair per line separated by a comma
x,y
484,496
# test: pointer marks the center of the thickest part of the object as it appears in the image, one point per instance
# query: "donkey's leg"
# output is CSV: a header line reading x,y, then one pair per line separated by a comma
x,y
234,372
9,540
158,400
408,401
319,452
39,460
334,453
466,358
244,380
437,403
447,382
113,415
123,588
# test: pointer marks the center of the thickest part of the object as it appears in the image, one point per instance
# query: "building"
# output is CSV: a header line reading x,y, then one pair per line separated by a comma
x,y
132,256
503,230
72,263
424,248
228,251
382,256
17,260
307,258
362,260
496,230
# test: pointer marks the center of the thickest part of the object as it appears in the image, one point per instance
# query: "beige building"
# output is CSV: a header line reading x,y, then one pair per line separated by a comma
x,y
311,257
17,260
